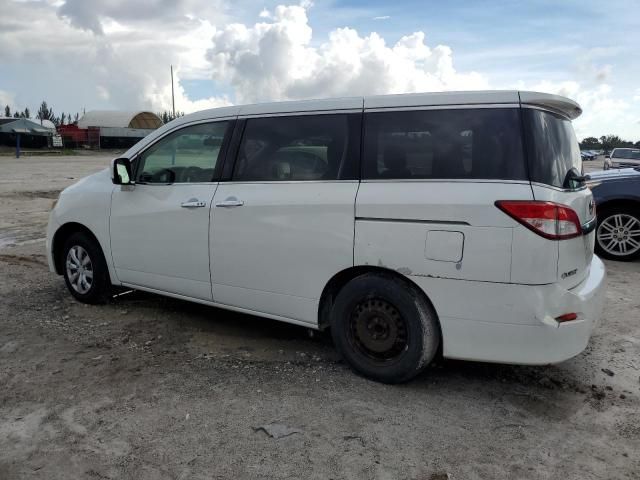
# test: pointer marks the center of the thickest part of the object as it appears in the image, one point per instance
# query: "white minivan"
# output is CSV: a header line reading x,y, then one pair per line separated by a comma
x,y
410,225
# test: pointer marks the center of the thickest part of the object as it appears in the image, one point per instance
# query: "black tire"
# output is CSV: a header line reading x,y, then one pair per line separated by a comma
x,y
607,216
100,286
384,328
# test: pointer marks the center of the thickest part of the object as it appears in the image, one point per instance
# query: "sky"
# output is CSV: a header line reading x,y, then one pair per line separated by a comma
x,y
116,54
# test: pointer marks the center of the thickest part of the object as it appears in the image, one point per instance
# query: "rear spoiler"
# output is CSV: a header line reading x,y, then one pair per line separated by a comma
x,y
562,105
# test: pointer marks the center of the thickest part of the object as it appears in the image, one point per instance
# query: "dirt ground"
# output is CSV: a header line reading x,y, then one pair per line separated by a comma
x,y
148,387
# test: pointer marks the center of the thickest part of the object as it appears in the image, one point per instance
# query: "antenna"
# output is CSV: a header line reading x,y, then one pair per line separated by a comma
x,y
173,100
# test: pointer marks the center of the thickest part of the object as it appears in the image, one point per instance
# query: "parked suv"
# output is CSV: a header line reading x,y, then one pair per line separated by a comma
x,y
410,225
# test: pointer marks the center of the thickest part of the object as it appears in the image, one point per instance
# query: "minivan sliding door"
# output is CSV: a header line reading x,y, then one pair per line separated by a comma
x,y
283,225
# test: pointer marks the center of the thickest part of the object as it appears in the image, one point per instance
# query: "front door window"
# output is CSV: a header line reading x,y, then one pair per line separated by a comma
x,y
189,155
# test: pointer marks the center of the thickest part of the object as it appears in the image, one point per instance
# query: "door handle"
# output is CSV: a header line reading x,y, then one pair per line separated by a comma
x,y
193,203
230,202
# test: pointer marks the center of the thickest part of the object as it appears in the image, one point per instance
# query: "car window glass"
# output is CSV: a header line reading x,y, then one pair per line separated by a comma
x,y
185,156
447,144
626,153
310,147
552,147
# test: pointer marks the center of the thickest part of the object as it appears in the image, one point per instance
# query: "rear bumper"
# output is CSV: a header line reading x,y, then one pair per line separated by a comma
x,y
516,324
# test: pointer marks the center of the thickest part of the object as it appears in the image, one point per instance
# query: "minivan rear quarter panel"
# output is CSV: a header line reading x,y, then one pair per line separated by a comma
x,y
393,221
440,170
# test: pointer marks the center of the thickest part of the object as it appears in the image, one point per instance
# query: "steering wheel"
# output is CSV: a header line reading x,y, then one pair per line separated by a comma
x,y
164,175
192,174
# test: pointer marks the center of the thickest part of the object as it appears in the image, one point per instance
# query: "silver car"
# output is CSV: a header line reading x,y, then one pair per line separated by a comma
x,y
622,157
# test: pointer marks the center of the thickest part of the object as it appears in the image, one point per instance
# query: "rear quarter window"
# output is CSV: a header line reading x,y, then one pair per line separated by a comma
x,y
552,147
481,143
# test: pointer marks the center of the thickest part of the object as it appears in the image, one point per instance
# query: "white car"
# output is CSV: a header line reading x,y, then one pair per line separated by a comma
x,y
622,158
410,225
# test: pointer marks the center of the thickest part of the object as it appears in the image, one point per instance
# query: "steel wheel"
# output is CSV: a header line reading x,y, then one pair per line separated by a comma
x,y
384,327
378,331
79,269
619,235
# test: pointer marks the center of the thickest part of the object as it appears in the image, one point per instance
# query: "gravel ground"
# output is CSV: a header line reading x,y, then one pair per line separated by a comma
x,y
148,387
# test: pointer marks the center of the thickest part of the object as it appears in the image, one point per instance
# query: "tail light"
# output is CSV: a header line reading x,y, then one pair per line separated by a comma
x,y
549,220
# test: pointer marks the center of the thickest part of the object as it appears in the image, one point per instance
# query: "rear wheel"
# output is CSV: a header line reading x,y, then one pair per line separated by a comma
x,y
85,270
618,233
384,328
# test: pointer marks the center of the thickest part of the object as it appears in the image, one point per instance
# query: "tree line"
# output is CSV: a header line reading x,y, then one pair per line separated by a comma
x,y
607,142
44,113
166,116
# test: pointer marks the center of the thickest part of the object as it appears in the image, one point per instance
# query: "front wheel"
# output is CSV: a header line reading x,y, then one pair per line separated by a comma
x,y
85,270
384,328
618,234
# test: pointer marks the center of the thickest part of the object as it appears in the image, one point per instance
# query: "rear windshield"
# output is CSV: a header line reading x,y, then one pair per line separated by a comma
x,y
552,147
629,153
444,144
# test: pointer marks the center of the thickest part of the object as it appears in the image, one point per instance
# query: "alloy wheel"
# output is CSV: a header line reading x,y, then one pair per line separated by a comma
x,y
619,234
79,269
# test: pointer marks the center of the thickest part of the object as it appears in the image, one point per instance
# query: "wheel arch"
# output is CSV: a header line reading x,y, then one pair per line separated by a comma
x,y
340,279
613,203
61,236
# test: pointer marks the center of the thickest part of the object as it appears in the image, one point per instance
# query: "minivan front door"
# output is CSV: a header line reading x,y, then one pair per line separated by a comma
x,y
160,227
283,225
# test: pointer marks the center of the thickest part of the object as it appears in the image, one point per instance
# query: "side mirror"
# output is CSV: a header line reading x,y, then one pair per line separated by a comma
x,y
574,179
121,171
607,156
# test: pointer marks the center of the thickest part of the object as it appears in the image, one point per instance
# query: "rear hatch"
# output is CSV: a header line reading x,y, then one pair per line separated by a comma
x,y
555,169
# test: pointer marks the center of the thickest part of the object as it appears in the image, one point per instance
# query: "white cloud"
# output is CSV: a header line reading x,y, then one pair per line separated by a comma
x,y
277,60
588,65
602,112
6,98
91,15
116,54
161,95
105,55
102,92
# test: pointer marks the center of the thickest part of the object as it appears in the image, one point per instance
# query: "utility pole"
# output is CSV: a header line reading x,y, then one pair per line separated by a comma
x,y
173,100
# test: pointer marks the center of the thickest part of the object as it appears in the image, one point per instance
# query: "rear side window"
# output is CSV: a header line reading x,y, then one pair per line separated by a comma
x,y
552,147
308,147
444,144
